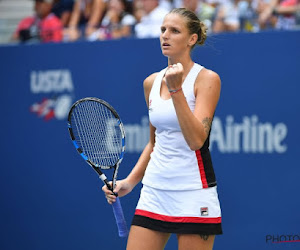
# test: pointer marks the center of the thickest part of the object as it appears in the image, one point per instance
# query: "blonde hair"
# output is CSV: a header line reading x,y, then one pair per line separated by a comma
x,y
194,25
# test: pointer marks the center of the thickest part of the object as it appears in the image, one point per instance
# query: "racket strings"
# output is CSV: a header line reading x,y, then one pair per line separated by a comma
x,y
97,133
87,130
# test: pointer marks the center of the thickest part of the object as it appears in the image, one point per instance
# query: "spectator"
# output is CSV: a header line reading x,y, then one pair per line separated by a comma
x,y
266,18
227,17
138,11
63,9
284,13
205,11
167,4
85,19
248,16
152,15
118,21
44,26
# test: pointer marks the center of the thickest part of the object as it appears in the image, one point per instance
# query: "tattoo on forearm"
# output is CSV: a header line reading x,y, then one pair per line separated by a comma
x,y
207,121
204,237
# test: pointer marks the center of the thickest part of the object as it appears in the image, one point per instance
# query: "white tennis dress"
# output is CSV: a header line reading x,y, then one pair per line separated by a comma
x,y
179,186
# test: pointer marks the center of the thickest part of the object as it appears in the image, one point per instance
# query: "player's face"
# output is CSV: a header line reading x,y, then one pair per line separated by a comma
x,y
175,36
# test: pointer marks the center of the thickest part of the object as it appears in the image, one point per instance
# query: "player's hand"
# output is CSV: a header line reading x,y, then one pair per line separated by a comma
x,y
174,76
122,188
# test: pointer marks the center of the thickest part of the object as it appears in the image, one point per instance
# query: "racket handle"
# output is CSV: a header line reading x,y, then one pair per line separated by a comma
x,y
120,219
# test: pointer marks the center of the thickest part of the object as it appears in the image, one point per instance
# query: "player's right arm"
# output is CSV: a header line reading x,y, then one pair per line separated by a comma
x,y
125,186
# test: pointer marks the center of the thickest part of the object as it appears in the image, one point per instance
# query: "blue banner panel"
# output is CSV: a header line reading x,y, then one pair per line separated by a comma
x,y
51,199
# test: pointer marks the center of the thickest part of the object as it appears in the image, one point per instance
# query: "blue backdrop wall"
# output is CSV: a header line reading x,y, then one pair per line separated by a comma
x,y
51,199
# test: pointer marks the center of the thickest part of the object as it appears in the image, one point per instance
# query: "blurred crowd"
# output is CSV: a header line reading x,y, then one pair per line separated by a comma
x,y
92,20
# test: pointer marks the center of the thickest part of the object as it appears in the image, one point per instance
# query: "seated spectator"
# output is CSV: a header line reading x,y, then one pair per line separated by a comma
x,y
167,4
266,17
205,11
63,9
85,19
246,11
284,13
227,17
193,5
152,15
44,26
137,9
117,23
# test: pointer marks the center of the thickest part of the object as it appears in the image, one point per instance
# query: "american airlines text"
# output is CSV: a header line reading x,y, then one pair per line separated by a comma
x,y
246,135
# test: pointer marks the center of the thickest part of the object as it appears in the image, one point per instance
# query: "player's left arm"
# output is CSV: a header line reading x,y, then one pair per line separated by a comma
x,y
196,126
207,92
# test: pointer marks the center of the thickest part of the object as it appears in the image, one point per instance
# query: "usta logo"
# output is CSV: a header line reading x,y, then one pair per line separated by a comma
x,y
57,83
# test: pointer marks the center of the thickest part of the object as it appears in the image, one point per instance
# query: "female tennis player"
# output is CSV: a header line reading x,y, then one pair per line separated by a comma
x,y
179,194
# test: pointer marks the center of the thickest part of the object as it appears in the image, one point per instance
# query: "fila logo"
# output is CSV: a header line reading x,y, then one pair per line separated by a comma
x,y
204,211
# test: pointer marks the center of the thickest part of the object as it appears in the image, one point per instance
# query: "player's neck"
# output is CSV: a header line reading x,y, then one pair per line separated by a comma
x,y
183,60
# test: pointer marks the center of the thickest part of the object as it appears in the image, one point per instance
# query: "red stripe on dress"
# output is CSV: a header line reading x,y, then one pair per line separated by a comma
x,y
201,169
177,219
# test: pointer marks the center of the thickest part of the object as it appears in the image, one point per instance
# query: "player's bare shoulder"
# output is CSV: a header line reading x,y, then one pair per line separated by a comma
x,y
148,82
209,80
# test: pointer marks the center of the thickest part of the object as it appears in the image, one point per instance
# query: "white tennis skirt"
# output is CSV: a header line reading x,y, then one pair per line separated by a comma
x,y
180,212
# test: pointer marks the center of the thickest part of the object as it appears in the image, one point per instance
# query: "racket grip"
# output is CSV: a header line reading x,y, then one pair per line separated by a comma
x,y
120,219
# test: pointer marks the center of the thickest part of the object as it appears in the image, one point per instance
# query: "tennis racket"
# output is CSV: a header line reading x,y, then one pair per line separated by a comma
x,y
99,137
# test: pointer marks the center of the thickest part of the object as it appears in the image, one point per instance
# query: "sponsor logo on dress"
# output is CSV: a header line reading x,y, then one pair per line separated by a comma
x,y
204,211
